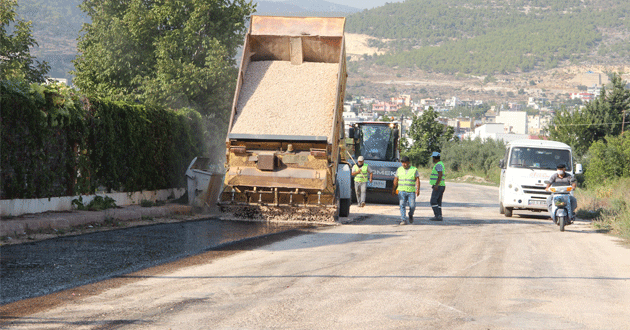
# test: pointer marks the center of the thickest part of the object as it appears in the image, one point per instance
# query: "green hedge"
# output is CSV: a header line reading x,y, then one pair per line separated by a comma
x,y
58,143
608,160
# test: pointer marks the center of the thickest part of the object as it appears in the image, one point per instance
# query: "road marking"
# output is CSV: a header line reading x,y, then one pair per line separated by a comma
x,y
451,308
473,265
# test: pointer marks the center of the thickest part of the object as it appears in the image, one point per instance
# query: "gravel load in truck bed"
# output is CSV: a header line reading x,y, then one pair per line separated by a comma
x,y
279,98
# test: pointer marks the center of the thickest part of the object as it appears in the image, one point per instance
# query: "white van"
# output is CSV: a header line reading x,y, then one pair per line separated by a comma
x,y
525,168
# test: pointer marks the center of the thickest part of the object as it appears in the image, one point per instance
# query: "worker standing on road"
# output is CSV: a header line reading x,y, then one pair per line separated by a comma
x,y
438,185
407,187
360,171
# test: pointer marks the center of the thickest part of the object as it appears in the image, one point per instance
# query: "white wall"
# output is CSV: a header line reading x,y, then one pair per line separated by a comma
x,y
495,132
17,207
515,121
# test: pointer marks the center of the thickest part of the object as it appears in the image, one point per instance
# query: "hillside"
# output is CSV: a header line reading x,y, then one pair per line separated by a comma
x,y
56,24
431,48
496,36
302,7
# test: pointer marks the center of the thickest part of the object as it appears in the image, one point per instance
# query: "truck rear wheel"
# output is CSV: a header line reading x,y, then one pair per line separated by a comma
x,y
344,207
508,212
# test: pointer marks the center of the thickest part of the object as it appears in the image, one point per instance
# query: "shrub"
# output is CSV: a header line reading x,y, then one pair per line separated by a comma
x,y
56,142
477,157
608,159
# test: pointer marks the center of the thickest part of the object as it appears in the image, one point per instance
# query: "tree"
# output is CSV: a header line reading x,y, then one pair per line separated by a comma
x,y
598,119
475,156
174,54
608,159
16,61
428,135
405,111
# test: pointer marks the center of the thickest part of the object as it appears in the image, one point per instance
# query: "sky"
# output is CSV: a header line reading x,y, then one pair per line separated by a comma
x,y
362,4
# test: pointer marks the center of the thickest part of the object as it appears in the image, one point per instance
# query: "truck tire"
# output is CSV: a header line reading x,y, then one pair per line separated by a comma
x,y
508,212
344,207
501,208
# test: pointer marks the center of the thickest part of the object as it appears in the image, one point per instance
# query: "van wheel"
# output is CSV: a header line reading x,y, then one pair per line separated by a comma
x,y
501,209
508,212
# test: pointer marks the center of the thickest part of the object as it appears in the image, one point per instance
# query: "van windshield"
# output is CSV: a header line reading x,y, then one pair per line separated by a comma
x,y
538,158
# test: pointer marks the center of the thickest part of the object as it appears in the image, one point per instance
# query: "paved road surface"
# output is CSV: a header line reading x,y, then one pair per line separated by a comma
x,y
43,267
476,270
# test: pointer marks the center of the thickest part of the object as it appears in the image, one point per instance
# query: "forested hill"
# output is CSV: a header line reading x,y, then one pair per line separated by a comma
x,y
56,25
487,36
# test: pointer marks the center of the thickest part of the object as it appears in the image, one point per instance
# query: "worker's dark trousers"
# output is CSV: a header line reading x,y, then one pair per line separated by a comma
x,y
436,200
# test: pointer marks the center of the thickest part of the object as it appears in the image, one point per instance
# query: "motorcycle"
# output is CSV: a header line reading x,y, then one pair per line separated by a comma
x,y
561,208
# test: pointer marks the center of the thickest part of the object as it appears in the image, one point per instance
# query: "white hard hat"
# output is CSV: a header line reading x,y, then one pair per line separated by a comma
x,y
435,154
360,159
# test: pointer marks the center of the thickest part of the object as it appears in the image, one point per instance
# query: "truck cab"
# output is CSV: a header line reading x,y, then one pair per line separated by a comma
x,y
378,143
526,166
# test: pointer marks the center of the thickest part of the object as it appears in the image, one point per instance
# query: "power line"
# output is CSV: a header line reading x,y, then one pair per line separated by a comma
x,y
588,124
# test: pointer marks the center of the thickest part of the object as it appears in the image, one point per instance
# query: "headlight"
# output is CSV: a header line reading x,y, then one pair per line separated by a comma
x,y
559,201
552,189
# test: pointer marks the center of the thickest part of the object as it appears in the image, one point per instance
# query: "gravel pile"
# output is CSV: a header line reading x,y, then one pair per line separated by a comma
x,y
284,99
278,214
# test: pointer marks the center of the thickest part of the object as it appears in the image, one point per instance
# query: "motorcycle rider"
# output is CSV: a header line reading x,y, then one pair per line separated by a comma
x,y
562,176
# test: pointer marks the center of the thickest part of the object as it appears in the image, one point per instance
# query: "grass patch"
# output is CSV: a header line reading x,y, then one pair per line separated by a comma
x,y
98,203
146,203
111,222
607,205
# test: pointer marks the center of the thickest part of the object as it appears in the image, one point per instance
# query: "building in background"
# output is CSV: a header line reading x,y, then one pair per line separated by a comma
x,y
59,80
584,96
514,121
538,124
495,131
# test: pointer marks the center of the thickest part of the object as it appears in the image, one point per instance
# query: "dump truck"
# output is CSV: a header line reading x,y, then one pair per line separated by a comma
x,y
285,138
378,143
